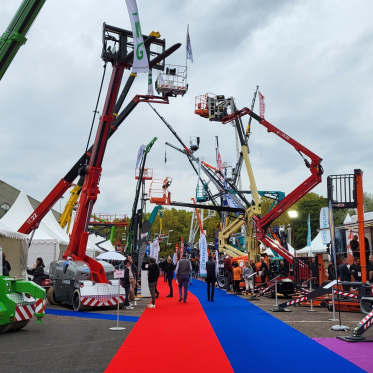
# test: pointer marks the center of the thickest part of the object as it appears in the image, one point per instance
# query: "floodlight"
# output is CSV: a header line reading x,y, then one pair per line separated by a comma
x,y
293,214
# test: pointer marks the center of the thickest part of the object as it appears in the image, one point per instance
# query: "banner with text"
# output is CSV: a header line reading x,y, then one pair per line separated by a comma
x,y
203,255
324,223
140,57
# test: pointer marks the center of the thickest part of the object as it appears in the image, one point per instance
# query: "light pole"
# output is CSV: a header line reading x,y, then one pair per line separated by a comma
x,y
293,214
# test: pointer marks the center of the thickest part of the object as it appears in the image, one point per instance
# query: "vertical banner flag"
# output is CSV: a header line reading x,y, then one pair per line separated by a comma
x,y
309,231
174,259
324,223
140,57
150,83
189,52
139,155
217,263
262,105
203,255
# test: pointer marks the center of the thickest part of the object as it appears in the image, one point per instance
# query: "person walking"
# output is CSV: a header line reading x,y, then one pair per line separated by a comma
x,y
236,277
182,272
228,271
370,270
133,280
37,271
169,270
153,272
156,283
247,274
125,280
210,277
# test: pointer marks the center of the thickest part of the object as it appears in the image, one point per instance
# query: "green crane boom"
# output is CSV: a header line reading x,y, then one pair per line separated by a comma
x,y
15,35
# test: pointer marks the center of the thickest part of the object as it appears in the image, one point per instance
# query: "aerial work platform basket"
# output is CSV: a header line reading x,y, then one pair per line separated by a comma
x,y
201,194
201,106
172,81
159,193
146,175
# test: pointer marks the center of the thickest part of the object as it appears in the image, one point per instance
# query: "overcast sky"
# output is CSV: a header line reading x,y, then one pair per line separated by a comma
x,y
311,59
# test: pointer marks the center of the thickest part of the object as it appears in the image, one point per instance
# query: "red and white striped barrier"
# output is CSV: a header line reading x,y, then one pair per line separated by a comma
x,y
40,306
367,320
345,294
94,302
24,312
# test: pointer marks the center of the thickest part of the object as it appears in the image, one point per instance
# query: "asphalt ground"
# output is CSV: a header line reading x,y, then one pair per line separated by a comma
x,y
65,344
313,324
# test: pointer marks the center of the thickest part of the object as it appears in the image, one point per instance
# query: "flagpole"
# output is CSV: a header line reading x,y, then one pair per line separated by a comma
x,y
186,51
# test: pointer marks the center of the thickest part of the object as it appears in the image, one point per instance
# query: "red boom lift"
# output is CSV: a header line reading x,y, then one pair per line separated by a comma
x,y
73,272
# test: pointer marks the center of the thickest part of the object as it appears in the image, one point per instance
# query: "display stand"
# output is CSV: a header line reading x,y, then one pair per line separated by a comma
x,y
118,274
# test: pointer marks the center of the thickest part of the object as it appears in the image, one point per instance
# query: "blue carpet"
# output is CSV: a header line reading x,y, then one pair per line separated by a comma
x,y
91,315
255,341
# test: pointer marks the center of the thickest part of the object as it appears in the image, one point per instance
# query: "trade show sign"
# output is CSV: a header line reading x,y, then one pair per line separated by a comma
x,y
143,242
324,223
203,255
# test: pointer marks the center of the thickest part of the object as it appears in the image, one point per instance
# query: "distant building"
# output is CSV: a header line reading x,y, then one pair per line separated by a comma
x,y
8,196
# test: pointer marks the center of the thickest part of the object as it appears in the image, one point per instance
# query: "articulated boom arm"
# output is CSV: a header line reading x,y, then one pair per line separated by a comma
x,y
316,171
33,221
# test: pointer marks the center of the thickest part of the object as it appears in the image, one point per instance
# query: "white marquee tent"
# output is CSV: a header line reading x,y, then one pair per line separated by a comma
x,y
317,247
49,240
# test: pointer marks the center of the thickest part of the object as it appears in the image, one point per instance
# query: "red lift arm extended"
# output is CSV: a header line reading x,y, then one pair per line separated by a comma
x,y
264,222
33,221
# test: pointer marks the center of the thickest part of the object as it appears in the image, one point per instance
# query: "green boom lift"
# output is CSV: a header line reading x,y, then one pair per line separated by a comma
x,y
15,34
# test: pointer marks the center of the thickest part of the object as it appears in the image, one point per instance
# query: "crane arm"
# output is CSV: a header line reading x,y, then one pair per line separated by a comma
x,y
316,171
15,34
65,183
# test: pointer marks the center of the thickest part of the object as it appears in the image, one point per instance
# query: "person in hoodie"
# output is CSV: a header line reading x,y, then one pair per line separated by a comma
x,y
37,271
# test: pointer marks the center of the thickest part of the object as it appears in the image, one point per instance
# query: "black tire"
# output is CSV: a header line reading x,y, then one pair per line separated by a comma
x,y
18,325
222,282
5,328
52,297
77,304
121,305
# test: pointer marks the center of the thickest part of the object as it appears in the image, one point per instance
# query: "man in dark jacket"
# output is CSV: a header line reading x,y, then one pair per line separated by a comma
x,y
357,269
354,245
272,268
263,269
6,266
210,277
182,272
153,273
228,271
169,271
345,273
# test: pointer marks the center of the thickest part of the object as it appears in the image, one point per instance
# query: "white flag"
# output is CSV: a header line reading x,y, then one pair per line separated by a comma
x,y
189,52
203,255
139,155
140,58
150,83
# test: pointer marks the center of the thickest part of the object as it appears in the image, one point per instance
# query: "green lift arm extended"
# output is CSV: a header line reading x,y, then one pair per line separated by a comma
x,y
15,35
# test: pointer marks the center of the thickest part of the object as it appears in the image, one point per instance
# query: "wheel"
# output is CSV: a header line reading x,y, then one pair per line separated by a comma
x,y
121,305
51,296
5,328
77,304
222,282
18,325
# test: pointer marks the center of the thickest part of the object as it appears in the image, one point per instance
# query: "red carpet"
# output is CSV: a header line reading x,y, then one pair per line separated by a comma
x,y
173,337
